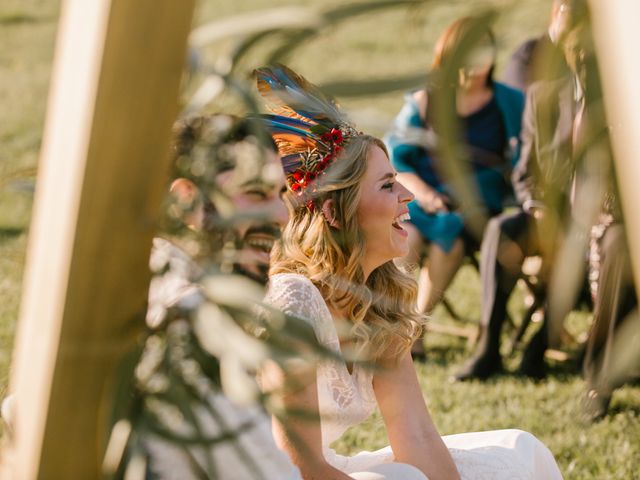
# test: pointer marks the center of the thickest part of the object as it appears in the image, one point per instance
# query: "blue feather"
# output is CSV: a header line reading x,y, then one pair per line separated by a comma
x,y
286,90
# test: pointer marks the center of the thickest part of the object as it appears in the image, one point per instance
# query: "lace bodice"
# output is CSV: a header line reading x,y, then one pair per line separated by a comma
x,y
347,399
344,398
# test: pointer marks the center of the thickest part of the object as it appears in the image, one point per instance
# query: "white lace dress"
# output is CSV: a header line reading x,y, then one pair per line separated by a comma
x,y
346,399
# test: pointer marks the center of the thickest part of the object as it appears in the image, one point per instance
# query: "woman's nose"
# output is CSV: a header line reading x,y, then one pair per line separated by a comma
x,y
405,195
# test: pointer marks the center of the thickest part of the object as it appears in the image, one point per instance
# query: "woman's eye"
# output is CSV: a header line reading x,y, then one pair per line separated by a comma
x,y
388,185
260,194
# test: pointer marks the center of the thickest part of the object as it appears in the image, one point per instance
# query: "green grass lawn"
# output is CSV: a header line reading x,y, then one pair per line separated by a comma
x,y
27,32
549,409
372,46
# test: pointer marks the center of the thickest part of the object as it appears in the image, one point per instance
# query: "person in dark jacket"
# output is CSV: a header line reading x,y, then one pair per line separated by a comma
x,y
544,182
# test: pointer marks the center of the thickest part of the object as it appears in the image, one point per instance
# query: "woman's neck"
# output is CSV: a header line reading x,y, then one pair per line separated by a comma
x,y
366,271
369,263
472,98
474,88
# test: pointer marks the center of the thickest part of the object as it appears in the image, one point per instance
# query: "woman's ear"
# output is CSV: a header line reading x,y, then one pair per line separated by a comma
x,y
329,213
188,196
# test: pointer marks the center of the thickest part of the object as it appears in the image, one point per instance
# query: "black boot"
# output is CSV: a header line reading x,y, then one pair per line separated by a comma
x,y
532,364
497,284
486,360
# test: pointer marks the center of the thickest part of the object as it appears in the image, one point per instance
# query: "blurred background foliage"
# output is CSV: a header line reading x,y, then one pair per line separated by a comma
x,y
394,42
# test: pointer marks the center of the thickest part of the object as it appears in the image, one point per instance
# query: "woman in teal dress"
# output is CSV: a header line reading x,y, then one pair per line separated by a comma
x,y
489,117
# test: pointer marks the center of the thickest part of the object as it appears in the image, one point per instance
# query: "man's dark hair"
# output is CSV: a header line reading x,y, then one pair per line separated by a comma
x,y
200,141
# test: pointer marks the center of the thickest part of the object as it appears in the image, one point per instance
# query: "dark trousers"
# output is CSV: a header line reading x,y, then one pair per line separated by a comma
x,y
508,239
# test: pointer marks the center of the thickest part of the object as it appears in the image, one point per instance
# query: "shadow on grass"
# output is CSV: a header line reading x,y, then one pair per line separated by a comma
x,y
569,368
444,355
626,408
11,18
7,233
455,355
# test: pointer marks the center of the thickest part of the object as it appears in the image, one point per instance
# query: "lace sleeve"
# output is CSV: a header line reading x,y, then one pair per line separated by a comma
x,y
296,295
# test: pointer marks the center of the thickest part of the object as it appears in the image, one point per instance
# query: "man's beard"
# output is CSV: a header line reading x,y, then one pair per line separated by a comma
x,y
262,276
219,237
269,230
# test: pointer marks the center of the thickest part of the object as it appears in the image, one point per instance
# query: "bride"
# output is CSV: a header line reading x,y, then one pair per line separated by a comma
x,y
334,265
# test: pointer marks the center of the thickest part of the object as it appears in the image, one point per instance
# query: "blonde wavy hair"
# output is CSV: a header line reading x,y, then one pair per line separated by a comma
x,y
382,310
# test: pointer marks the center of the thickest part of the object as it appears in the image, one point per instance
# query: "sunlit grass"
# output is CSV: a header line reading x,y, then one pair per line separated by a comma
x,y
27,30
550,409
395,43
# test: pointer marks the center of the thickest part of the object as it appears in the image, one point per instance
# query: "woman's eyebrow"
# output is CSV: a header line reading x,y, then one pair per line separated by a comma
x,y
388,175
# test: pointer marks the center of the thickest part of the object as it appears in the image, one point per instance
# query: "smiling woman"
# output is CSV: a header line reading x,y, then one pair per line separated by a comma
x,y
334,269
383,206
345,245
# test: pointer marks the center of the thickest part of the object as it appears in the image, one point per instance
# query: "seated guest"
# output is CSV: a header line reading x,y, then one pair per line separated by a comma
x,y
489,115
183,425
333,267
544,181
229,193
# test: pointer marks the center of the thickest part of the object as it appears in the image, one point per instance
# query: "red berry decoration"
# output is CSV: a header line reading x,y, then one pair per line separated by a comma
x,y
336,136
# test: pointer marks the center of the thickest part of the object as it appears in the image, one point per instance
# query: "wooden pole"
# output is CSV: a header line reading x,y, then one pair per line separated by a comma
x,y
102,172
617,37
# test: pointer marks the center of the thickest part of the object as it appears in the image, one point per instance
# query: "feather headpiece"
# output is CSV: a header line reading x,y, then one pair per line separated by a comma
x,y
307,126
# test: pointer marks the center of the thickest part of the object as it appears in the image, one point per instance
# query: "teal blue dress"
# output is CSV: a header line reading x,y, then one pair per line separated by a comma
x,y
492,135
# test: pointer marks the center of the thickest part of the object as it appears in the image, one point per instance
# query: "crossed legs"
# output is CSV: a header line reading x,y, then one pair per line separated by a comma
x,y
506,242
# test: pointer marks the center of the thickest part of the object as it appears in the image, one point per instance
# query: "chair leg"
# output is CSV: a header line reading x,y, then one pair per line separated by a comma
x,y
537,291
518,333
